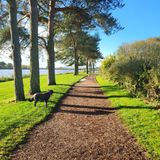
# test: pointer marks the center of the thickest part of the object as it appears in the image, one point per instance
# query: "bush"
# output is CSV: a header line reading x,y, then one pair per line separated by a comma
x,y
136,67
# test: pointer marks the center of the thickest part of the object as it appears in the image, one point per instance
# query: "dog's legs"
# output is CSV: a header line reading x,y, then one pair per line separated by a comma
x,y
35,102
45,103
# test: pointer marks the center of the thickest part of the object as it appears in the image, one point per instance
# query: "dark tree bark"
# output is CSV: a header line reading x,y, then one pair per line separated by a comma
x,y
50,45
34,56
18,81
90,67
93,68
76,70
76,58
87,70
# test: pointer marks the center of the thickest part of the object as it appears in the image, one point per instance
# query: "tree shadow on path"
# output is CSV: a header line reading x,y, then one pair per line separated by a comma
x,y
90,113
88,107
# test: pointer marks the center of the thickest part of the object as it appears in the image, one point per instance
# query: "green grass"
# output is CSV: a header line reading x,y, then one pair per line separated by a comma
x,y
17,119
142,120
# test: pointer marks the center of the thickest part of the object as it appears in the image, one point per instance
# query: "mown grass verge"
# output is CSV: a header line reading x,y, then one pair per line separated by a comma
x,y
17,119
142,119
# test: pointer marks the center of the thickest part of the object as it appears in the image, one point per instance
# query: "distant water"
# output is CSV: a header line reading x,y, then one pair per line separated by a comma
x,y
9,72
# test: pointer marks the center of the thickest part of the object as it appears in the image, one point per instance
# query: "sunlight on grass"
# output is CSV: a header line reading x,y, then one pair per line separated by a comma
x,y
142,120
16,119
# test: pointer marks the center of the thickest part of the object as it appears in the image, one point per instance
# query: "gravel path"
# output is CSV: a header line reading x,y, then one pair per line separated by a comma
x,y
85,128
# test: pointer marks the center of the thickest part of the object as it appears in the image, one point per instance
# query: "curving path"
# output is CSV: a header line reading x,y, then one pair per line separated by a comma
x,y
85,128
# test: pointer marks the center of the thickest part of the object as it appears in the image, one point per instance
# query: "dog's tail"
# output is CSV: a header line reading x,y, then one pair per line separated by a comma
x,y
30,99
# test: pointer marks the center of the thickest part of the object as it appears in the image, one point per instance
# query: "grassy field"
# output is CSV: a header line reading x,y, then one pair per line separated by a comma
x,y
16,119
142,120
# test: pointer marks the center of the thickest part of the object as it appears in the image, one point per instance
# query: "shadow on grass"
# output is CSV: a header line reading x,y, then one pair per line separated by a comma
x,y
112,88
135,107
59,92
119,96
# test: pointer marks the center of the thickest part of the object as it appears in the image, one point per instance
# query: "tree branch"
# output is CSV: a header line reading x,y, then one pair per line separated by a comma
x,y
44,41
25,16
43,9
4,15
71,8
40,18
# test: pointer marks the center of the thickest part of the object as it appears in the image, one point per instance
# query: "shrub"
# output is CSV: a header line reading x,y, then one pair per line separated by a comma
x,y
136,67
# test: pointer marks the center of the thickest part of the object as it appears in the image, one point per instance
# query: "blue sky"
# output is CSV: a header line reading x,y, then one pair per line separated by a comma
x,y
141,19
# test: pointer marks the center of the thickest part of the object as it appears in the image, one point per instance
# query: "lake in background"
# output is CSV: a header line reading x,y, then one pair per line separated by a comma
x,y
9,72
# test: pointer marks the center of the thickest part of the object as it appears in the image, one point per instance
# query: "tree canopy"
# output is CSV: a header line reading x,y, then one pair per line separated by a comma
x,y
66,22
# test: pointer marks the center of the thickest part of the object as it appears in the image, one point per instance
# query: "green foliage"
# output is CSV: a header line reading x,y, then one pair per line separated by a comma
x,y
4,35
16,119
136,66
93,13
141,119
76,20
85,45
4,65
106,64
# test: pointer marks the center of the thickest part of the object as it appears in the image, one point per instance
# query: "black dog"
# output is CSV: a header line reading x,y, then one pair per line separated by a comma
x,y
41,97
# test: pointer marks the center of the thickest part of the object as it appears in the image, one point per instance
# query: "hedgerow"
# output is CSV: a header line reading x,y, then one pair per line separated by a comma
x,y
136,66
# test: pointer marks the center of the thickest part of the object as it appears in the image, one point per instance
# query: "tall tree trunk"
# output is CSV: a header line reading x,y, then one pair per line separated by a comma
x,y
50,47
90,67
76,70
93,67
87,71
18,81
34,56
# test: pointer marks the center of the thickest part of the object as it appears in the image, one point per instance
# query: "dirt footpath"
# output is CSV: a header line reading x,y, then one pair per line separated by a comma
x,y
85,128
